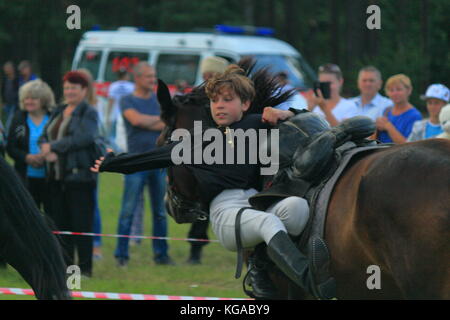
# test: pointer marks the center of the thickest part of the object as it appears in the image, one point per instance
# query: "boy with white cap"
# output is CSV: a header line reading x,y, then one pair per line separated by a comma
x,y
436,96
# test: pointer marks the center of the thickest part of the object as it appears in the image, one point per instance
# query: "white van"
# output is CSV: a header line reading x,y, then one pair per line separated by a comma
x,y
177,56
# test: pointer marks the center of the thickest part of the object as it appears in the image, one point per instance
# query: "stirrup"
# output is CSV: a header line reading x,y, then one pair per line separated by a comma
x,y
245,282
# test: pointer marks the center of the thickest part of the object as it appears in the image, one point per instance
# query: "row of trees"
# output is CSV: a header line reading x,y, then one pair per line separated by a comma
x,y
413,38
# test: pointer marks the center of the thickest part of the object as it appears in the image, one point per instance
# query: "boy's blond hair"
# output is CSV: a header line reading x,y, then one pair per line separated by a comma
x,y
233,79
398,79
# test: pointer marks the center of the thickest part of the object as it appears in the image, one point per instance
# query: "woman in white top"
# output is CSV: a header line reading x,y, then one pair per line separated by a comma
x,y
337,108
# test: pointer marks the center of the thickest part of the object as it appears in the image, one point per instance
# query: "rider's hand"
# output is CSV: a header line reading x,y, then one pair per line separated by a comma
x,y
99,162
272,115
97,165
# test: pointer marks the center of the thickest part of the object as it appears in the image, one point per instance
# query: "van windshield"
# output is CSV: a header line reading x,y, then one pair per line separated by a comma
x,y
300,74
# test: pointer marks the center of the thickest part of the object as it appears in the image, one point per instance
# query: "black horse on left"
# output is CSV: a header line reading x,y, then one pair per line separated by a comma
x,y
26,240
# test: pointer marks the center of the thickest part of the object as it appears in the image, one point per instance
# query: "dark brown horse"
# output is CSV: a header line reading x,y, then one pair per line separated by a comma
x,y
388,224
391,209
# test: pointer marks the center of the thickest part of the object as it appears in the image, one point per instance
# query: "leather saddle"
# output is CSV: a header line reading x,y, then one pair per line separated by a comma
x,y
307,155
312,157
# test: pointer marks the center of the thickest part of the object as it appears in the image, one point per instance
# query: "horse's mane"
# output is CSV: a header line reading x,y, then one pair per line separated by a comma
x,y
26,241
196,97
268,90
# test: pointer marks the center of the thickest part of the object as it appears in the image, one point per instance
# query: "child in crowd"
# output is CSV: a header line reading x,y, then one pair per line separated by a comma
x,y
436,97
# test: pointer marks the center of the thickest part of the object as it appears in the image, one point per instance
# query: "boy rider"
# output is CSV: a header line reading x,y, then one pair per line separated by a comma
x,y
227,187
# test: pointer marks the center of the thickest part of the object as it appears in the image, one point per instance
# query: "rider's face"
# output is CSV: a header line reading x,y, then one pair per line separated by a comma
x,y
227,107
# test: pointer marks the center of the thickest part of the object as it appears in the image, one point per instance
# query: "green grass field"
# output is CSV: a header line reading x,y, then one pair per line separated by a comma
x,y
214,278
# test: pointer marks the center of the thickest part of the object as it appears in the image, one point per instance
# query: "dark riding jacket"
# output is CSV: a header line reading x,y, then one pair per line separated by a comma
x,y
212,178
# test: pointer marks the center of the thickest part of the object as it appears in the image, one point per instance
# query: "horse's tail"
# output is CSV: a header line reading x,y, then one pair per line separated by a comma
x,y
26,241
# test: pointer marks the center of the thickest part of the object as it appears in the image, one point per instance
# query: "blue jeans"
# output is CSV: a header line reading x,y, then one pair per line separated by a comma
x,y
137,226
134,186
97,226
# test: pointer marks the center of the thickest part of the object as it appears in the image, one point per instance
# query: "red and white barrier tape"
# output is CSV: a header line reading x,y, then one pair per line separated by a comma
x,y
115,296
125,236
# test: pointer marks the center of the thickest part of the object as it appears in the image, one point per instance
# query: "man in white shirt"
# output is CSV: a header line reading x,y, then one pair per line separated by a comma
x,y
370,102
116,91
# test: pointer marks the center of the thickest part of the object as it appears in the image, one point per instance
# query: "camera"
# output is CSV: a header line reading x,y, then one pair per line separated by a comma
x,y
324,88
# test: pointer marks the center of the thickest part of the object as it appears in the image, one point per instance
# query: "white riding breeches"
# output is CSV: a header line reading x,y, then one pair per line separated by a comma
x,y
290,215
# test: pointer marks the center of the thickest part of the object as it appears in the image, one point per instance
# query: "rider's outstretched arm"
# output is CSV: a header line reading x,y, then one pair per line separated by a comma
x,y
130,163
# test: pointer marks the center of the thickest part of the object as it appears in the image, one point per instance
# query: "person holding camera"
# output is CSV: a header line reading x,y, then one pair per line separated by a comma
x,y
327,100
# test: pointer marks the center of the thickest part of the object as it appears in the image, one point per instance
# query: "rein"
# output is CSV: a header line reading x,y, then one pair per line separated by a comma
x,y
182,209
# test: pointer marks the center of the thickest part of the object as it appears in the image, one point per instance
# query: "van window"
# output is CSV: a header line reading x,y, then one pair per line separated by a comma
x,y
90,59
172,67
122,59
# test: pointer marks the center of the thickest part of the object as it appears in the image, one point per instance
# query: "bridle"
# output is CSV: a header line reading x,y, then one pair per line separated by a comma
x,y
182,209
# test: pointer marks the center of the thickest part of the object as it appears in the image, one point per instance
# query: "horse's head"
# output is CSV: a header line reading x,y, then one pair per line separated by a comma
x,y
180,112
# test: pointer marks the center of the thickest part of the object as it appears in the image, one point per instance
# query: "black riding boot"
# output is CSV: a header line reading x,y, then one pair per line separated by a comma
x,y
295,265
262,285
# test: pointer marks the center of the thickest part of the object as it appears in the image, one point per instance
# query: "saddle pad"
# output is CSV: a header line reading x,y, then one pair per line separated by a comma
x,y
321,196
